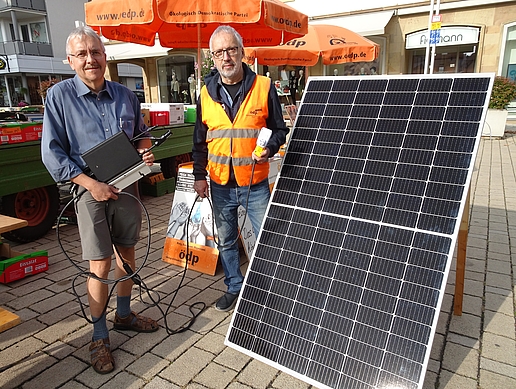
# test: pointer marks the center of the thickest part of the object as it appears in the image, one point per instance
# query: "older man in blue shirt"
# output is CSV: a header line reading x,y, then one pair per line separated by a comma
x,y
80,113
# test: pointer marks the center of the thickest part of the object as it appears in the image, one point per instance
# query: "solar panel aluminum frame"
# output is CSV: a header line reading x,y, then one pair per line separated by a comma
x,y
290,334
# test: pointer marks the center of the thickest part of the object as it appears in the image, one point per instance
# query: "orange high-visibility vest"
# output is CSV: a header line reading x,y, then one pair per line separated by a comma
x,y
235,141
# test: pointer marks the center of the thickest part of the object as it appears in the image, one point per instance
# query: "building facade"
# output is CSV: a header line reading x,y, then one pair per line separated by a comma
x,y
474,36
32,46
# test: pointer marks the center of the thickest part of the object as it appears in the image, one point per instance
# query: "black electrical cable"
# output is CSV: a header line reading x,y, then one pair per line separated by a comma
x,y
130,273
134,274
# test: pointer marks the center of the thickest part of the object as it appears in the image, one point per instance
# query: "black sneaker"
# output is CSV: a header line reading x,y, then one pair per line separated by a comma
x,y
226,302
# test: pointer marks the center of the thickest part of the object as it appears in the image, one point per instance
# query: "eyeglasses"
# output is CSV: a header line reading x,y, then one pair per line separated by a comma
x,y
82,55
231,51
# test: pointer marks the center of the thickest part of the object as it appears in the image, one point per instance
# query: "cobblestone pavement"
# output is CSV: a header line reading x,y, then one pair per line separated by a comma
x,y
49,349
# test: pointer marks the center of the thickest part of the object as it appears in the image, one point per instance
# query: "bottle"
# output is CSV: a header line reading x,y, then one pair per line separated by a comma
x,y
262,140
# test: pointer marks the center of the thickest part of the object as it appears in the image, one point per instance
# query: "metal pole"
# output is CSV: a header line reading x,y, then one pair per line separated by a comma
x,y
432,58
6,80
199,62
427,53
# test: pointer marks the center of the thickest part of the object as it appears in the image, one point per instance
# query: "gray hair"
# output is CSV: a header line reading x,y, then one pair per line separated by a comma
x,y
81,32
227,30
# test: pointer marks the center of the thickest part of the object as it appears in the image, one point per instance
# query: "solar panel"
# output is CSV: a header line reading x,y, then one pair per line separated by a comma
x,y
348,274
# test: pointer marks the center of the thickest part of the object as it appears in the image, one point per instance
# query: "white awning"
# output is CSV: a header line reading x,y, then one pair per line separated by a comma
x,y
364,24
119,51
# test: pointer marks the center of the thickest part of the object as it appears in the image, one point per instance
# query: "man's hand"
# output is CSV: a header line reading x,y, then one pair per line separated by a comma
x,y
201,188
99,190
103,192
264,156
147,156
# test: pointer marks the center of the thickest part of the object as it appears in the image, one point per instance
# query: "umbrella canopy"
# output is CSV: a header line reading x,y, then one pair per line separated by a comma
x,y
334,44
189,24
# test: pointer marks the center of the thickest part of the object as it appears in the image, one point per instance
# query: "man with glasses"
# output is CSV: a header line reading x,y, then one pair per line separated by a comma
x,y
80,113
234,105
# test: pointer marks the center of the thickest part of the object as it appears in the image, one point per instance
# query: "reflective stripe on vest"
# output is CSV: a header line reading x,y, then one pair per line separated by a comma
x,y
233,142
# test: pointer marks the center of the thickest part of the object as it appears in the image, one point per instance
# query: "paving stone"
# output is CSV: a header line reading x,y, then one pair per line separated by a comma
x,y
21,350
499,348
143,342
61,329
450,380
215,376
466,324
493,380
500,324
20,332
73,385
173,346
211,342
257,374
147,366
430,381
160,383
25,370
27,300
463,340
499,303
461,360
59,350
502,281
58,374
124,380
31,286
498,367
284,380
187,366
59,313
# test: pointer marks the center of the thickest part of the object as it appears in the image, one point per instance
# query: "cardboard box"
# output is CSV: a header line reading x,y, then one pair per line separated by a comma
x,y
19,132
15,265
200,258
146,117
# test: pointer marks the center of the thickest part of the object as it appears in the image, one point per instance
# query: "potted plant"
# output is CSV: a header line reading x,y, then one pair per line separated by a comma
x,y
503,92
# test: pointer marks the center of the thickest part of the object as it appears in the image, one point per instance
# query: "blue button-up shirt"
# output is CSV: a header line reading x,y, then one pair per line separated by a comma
x,y
77,119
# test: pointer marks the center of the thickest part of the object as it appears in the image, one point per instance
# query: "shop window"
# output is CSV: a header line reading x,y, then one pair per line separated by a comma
x,y
173,74
447,59
509,54
353,69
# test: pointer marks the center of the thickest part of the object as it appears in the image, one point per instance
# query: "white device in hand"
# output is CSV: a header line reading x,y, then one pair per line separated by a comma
x,y
262,140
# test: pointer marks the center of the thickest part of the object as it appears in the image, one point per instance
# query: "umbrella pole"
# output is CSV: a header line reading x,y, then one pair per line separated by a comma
x,y
199,61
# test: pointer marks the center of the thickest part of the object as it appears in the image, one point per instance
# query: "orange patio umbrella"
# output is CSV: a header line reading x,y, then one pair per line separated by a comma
x,y
334,44
190,23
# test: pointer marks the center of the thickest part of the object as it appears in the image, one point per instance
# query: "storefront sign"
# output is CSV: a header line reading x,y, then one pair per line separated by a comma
x,y
449,36
3,65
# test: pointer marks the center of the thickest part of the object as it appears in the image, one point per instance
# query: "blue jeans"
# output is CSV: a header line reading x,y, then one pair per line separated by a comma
x,y
225,202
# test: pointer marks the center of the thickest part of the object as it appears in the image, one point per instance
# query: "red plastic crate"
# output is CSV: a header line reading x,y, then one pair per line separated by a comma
x,y
159,118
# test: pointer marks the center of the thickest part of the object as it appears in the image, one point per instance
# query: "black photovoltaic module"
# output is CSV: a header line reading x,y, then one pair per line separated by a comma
x,y
348,274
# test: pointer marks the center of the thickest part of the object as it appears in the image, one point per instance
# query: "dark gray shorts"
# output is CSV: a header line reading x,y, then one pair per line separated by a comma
x,y
124,216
